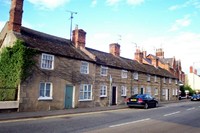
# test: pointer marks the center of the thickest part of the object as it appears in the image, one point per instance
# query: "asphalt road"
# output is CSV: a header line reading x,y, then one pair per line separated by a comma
x,y
172,118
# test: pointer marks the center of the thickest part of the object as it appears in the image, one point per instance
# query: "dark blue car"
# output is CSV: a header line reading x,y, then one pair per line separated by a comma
x,y
195,97
142,100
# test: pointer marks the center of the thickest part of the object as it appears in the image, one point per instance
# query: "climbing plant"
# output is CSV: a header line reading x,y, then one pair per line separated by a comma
x,y
15,66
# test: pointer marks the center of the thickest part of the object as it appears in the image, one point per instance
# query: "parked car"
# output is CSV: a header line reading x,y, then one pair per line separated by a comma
x,y
142,100
195,97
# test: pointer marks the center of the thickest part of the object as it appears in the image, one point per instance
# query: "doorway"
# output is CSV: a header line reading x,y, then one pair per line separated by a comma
x,y
68,97
114,95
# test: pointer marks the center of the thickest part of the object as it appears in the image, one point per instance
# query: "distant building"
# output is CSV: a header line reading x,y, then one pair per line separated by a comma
x,y
193,79
158,60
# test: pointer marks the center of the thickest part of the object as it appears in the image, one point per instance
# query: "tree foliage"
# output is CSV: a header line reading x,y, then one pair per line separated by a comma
x,y
15,66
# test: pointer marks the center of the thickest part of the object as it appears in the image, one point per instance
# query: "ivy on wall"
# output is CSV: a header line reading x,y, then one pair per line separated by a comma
x,y
15,66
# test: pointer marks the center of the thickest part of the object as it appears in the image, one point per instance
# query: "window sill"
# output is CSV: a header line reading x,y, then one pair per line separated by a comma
x,y
85,100
103,96
45,98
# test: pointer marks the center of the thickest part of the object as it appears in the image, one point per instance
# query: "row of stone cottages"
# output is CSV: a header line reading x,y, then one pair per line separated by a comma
x,y
70,75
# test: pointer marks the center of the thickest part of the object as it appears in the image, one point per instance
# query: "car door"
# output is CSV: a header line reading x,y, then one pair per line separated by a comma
x,y
151,101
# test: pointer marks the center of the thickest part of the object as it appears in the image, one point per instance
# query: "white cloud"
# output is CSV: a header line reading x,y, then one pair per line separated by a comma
x,y
130,2
2,23
48,4
179,23
7,2
112,2
184,46
94,3
194,3
135,2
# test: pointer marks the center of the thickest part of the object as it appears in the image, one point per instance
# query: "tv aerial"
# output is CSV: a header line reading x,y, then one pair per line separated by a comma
x,y
71,18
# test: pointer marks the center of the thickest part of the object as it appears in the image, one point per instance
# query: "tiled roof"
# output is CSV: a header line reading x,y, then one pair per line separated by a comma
x,y
63,47
108,59
51,44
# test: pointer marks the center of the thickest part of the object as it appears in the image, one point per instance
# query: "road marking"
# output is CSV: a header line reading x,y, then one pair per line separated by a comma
x,y
56,116
172,113
122,124
191,108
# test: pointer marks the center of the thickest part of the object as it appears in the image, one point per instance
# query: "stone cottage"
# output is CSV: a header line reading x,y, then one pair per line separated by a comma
x,y
68,74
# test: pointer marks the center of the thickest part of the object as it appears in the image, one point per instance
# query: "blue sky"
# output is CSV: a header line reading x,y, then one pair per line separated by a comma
x,y
168,24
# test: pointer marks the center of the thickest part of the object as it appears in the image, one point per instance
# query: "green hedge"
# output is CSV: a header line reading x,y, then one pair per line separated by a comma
x,y
8,94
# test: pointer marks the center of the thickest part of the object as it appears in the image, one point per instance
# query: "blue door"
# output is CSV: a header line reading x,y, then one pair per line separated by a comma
x,y
68,96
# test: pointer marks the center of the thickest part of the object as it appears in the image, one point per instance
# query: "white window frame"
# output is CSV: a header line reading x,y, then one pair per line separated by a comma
x,y
124,73
45,97
135,75
84,67
148,90
103,91
123,90
47,61
156,91
148,77
170,80
173,92
155,78
135,90
163,92
176,81
104,71
85,92
176,92
164,80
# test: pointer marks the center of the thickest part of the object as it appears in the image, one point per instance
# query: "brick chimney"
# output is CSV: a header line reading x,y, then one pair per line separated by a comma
x,y
79,37
191,69
155,62
16,12
139,56
160,53
115,49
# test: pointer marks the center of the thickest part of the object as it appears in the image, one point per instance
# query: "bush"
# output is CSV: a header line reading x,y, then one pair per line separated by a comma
x,y
8,94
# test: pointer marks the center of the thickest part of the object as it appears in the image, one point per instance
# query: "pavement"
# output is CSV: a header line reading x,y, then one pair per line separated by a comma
x,y
40,114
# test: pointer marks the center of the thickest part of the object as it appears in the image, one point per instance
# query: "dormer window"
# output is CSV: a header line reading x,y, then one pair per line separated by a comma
x,y
124,73
104,70
47,61
84,67
135,75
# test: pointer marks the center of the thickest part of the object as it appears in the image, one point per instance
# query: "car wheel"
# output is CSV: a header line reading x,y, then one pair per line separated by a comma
x,y
156,104
146,106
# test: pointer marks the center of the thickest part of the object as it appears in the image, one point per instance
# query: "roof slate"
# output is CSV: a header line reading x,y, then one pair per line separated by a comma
x,y
51,44
63,47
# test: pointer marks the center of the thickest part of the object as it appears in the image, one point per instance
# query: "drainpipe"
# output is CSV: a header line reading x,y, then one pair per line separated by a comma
x,y
110,91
